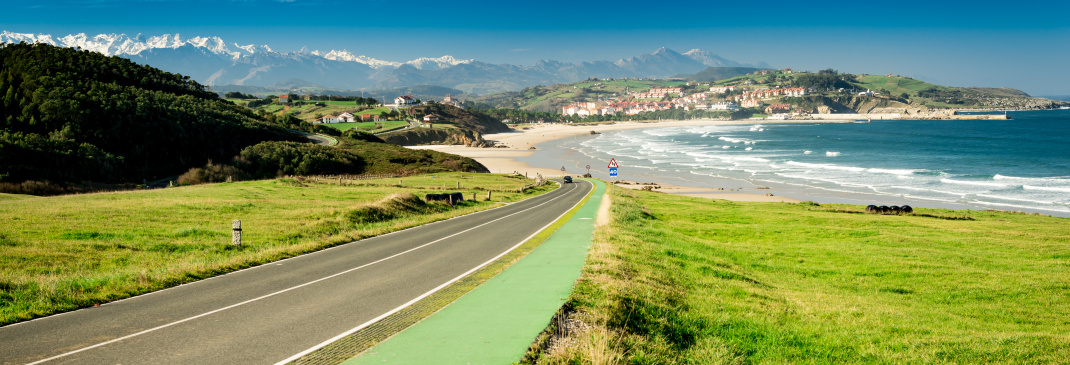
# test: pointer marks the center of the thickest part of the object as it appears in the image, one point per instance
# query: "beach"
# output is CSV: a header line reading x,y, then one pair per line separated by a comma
x,y
518,143
949,164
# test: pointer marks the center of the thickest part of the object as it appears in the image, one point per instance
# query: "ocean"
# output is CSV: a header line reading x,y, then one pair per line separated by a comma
x,y
1017,164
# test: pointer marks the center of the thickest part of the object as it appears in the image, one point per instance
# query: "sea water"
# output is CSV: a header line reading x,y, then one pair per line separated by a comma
x,y
1018,164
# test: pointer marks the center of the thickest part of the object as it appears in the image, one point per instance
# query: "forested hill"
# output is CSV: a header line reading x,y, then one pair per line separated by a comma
x,y
69,115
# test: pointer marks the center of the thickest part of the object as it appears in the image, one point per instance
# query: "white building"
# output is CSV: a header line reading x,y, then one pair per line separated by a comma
x,y
404,100
725,105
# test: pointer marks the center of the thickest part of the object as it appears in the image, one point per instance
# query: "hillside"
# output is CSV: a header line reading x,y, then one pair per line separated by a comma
x,y
72,115
720,73
453,126
79,118
552,98
824,92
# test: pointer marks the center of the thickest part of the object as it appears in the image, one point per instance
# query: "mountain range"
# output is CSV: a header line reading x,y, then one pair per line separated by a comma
x,y
215,62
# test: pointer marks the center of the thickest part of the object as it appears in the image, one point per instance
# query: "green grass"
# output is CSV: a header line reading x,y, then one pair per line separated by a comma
x,y
680,280
66,252
369,126
895,85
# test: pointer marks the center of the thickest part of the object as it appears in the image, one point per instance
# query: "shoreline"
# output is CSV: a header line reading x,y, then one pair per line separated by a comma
x,y
553,148
519,145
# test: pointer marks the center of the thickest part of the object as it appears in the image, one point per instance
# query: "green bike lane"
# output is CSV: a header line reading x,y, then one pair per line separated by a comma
x,y
496,322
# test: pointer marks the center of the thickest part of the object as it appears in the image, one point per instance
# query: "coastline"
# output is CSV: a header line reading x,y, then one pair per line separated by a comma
x,y
518,146
559,145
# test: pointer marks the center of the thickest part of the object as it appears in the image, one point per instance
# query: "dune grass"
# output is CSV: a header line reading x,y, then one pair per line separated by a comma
x,y
66,252
680,280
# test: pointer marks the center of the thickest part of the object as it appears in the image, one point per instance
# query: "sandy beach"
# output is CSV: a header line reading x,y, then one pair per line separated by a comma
x,y
518,144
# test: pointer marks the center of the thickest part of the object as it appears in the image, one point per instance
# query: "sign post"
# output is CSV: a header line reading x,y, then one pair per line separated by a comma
x,y
613,170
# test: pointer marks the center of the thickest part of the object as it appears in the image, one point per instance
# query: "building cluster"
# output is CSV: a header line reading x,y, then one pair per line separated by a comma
x,y
727,98
769,93
659,92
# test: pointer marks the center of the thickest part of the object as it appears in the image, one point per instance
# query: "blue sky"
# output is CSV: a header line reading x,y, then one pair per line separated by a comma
x,y
1024,44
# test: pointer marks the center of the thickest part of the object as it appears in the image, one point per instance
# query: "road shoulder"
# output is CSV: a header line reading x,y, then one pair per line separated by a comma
x,y
496,322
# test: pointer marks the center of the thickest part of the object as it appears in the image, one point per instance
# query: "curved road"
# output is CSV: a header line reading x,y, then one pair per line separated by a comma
x,y
275,311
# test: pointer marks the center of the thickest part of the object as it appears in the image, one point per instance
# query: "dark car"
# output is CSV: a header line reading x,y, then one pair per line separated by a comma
x,y
568,179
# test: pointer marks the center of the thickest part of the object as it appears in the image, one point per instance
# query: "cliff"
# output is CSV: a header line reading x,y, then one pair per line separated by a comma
x,y
450,136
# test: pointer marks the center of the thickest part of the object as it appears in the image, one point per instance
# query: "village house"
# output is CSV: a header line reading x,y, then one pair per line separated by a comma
x,y
346,117
370,118
431,118
404,100
751,103
284,99
327,119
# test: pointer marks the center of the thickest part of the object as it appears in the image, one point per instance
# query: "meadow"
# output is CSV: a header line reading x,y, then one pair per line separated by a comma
x,y
680,280
67,252
369,126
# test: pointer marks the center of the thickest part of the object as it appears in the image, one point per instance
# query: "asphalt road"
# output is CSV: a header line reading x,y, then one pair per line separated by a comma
x,y
269,313
320,140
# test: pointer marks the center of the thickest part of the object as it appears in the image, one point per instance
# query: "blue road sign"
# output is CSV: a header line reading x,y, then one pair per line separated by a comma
x,y
613,172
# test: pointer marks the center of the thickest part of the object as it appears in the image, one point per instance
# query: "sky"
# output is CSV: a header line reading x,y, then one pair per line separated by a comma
x,y
1023,44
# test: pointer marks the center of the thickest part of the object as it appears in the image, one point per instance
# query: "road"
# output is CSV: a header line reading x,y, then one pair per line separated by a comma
x,y
269,313
320,140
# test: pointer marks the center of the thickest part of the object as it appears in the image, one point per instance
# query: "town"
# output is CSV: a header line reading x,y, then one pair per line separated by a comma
x,y
721,97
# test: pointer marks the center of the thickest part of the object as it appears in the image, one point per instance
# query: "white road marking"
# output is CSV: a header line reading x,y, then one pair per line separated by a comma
x,y
425,295
105,343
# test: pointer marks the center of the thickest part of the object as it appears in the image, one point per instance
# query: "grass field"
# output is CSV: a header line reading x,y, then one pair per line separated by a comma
x,y
679,280
369,126
66,252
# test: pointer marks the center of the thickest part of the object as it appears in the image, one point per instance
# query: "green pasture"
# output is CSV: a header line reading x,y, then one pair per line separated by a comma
x,y
681,280
369,126
66,252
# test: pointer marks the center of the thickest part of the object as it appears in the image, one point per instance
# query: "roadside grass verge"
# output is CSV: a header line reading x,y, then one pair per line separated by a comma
x,y
67,252
680,280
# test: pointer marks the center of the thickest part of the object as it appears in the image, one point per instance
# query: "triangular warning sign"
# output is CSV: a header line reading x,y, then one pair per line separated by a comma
x,y
613,163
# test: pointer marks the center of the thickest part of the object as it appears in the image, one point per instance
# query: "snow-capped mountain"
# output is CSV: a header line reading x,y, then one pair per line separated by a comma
x,y
423,63
213,61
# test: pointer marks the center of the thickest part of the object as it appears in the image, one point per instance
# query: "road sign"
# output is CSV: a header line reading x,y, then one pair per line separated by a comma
x,y
562,169
588,167
613,163
613,172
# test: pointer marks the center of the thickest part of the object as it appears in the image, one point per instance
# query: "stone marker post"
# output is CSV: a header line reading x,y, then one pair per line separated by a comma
x,y
236,238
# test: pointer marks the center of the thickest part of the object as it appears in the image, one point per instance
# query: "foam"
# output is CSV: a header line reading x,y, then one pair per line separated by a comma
x,y
892,171
831,154
1055,189
826,166
975,183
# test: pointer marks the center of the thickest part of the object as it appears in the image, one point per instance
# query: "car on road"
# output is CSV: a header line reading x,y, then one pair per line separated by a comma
x,y
568,179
